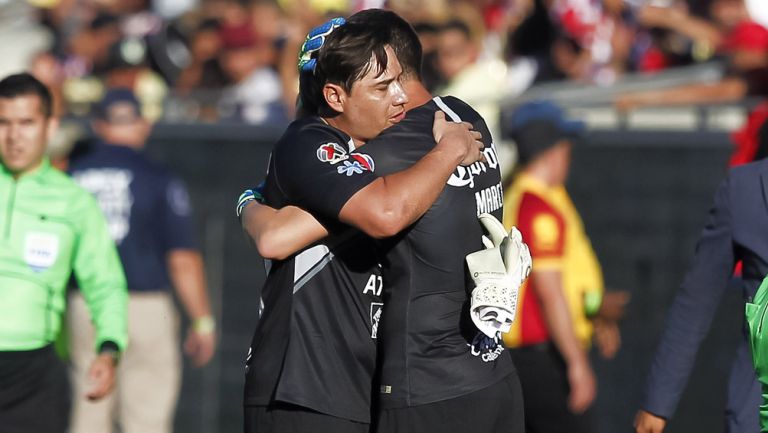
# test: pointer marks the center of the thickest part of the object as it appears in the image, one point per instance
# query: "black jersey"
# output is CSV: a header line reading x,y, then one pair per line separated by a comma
x,y
424,344
314,345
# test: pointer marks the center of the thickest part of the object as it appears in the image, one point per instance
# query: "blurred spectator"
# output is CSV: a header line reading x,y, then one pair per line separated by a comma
x,y
429,35
741,43
563,300
22,37
202,79
149,217
482,83
204,70
127,67
602,38
46,68
255,95
415,11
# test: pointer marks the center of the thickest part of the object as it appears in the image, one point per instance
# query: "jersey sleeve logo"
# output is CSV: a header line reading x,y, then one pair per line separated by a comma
x,y
332,153
353,163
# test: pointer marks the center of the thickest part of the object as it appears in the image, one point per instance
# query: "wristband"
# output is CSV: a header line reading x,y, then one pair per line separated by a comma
x,y
248,196
111,349
204,325
592,301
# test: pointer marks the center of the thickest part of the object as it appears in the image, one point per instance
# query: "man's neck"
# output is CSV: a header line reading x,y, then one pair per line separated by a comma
x,y
339,124
16,175
542,173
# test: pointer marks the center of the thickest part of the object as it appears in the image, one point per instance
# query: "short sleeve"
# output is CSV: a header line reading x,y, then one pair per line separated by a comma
x,y
319,172
543,229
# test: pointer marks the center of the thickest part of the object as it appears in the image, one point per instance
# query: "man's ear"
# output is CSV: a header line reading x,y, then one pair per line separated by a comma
x,y
334,96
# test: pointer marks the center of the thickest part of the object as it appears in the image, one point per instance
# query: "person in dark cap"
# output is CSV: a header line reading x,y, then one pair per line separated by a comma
x,y
149,217
561,304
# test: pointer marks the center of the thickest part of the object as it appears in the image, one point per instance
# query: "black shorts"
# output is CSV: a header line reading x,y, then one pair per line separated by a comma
x,y
289,418
34,392
495,409
544,377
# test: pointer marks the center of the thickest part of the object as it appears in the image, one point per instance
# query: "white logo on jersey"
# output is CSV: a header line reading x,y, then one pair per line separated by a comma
x,y
465,176
374,285
41,250
248,359
488,349
376,310
489,199
112,189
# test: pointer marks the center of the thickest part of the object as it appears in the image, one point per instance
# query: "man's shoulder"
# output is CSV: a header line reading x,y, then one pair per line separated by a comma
x,y
73,199
756,168
310,132
460,108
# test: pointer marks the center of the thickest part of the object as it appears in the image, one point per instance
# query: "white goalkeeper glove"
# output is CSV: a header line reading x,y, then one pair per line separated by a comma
x,y
498,271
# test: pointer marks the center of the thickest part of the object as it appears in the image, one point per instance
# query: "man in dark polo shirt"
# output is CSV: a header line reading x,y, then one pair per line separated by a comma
x,y
149,217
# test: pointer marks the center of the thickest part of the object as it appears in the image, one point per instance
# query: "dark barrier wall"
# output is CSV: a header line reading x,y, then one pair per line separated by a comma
x,y
643,197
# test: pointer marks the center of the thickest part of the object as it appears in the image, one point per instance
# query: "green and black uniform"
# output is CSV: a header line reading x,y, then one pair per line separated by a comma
x,y
758,343
50,228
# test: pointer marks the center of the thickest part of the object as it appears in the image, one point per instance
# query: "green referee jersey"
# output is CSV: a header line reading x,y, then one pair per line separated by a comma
x,y
50,228
758,343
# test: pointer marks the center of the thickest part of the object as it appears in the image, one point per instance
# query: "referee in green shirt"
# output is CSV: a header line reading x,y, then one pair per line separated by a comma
x,y
49,229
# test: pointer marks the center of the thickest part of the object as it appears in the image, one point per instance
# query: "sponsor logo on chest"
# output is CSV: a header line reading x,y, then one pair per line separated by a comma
x,y
465,176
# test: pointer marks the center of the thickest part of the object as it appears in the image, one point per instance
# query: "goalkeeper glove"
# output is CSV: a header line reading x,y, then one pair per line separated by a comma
x,y
498,271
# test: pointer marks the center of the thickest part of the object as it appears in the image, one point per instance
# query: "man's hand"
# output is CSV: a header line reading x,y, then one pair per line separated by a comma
x,y
102,376
607,337
200,346
498,271
583,386
613,304
646,422
459,137
606,322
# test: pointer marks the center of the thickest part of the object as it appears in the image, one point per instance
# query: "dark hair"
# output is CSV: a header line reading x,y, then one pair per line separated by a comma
x,y
403,37
25,84
344,57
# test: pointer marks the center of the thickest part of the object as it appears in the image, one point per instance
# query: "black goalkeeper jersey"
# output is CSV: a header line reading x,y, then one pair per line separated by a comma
x,y
314,345
424,343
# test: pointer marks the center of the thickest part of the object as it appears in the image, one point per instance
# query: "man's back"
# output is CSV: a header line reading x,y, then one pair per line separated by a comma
x,y
427,331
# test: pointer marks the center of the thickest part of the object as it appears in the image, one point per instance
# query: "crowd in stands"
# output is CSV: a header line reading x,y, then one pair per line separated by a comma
x,y
234,60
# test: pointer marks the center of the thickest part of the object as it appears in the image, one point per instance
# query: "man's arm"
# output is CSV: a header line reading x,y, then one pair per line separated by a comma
x,y
278,233
102,282
557,316
185,267
391,203
691,314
